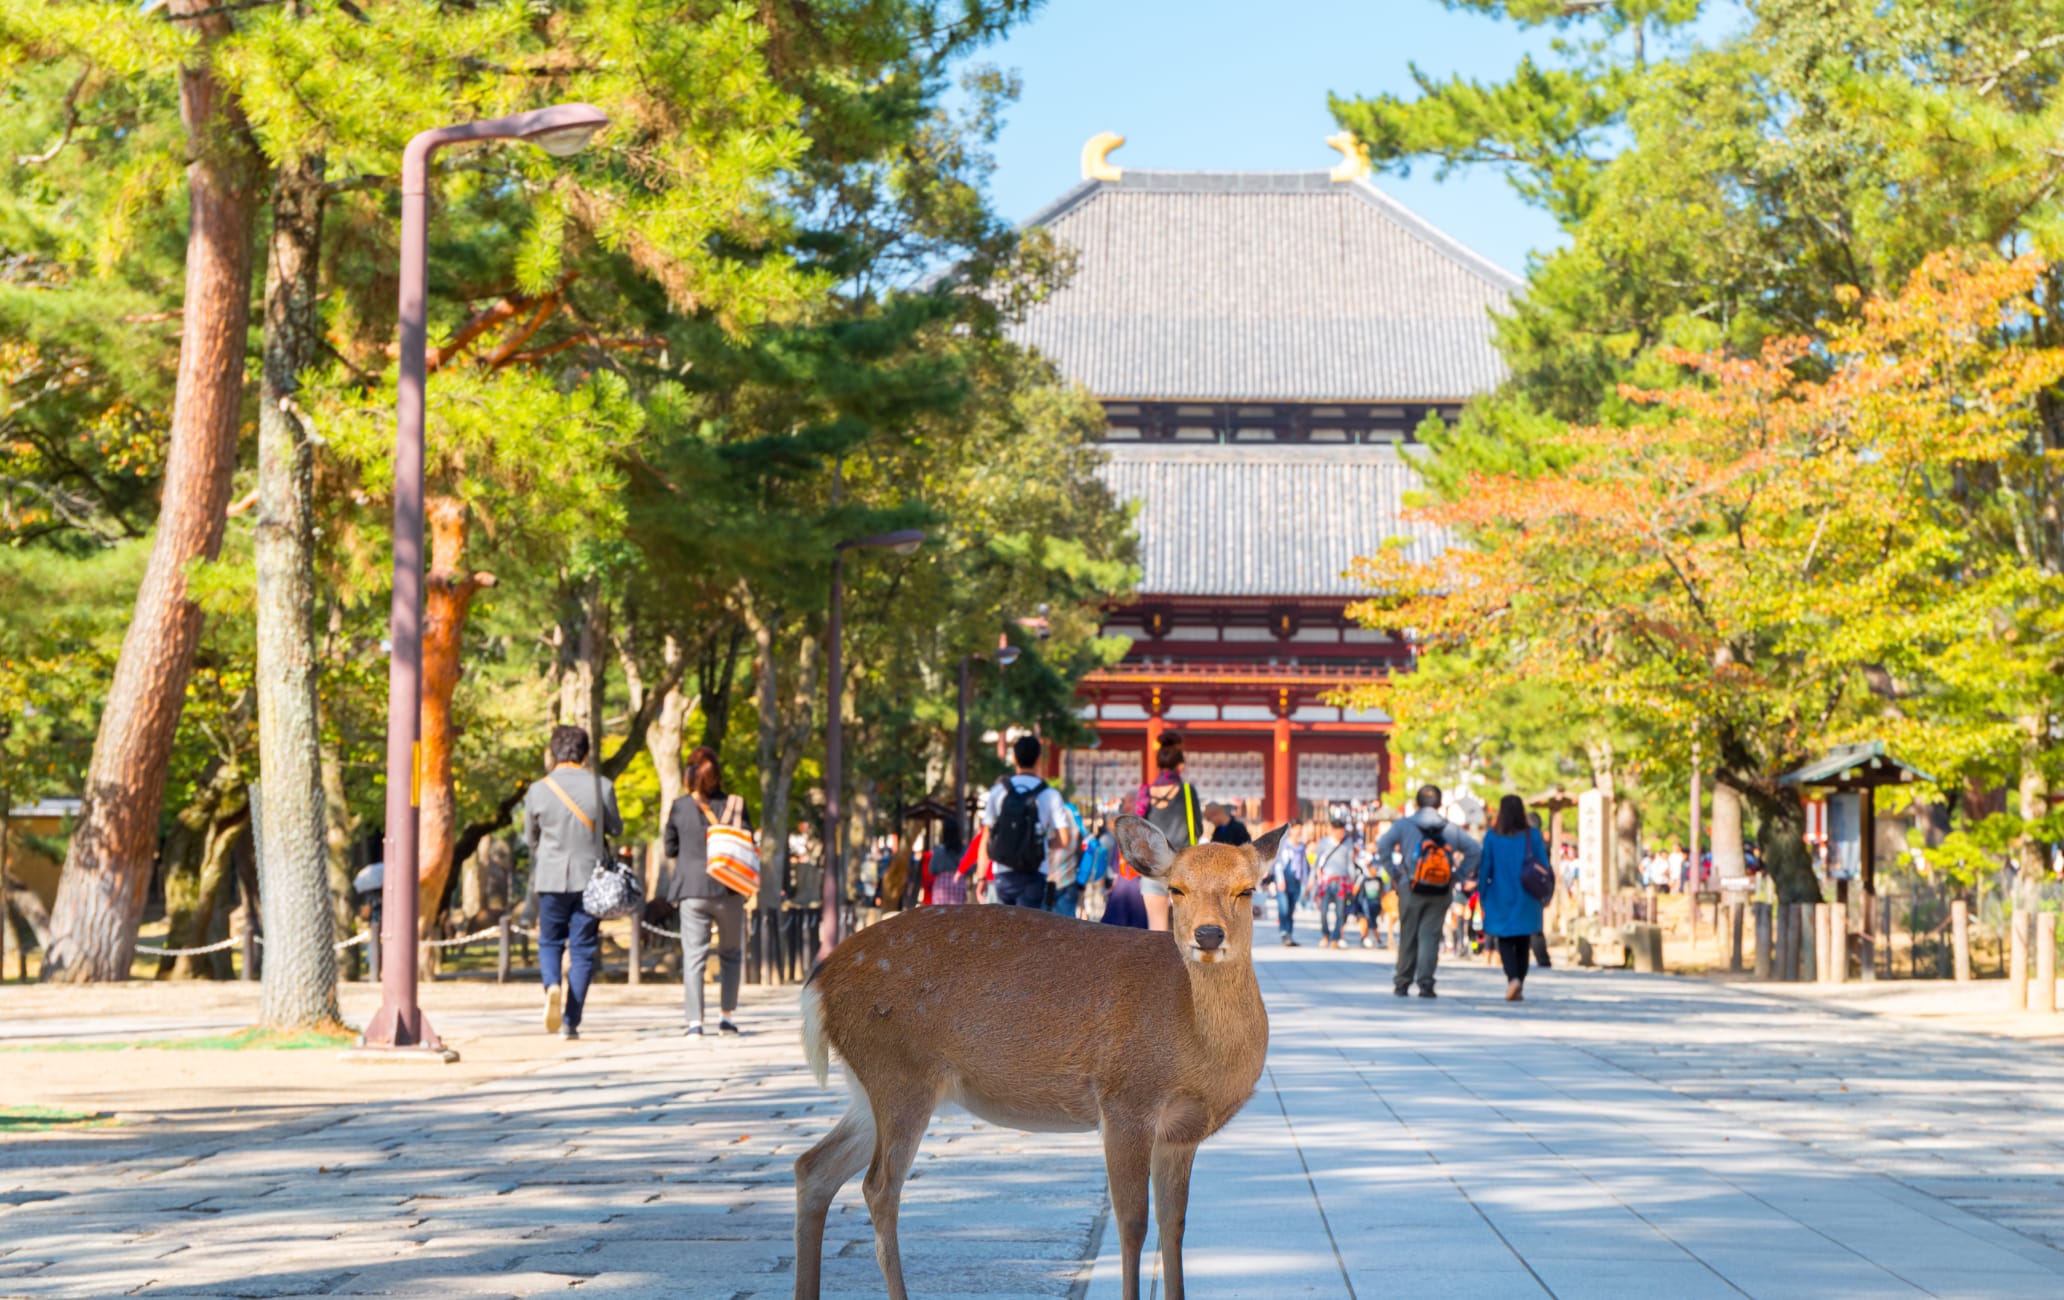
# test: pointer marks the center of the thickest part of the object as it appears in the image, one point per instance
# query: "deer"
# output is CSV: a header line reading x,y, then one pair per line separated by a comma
x,y
956,1005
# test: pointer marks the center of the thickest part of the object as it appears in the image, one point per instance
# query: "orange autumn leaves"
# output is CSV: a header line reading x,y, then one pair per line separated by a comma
x,y
1761,531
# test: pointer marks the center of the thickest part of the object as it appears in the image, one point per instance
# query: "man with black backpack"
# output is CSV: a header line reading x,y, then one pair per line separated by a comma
x,y
1025,818
1437,856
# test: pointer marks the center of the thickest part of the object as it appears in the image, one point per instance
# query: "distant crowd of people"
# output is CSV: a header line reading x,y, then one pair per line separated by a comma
x,y
1420,883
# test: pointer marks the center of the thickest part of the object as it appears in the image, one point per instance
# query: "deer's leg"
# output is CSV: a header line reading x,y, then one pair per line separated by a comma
x,y
899,1125
1171,1208
1128,1158
819,1173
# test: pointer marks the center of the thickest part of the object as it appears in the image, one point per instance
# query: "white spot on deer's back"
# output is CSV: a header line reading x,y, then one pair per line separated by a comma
x,y
883,963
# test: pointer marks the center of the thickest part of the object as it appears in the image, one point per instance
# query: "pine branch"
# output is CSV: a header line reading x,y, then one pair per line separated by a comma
x,y
71,124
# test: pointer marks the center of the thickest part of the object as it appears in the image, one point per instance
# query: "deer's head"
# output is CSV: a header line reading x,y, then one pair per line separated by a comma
x,y
1210,887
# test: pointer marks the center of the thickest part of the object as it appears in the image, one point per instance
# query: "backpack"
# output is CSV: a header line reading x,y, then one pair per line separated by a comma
x,y
1435,871
1015,841
1176,818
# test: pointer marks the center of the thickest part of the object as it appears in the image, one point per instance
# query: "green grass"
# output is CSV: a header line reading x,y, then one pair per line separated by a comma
x,y
37,1119
241,1041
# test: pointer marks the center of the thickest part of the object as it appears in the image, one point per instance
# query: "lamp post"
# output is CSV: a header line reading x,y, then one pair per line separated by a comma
x,y
902,542
1006,655
562,130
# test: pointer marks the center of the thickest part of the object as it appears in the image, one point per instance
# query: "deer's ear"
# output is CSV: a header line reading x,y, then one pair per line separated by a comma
x,y
1144,847
1264,849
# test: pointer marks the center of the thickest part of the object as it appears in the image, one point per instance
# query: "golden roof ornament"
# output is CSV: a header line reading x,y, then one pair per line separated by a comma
x,y
1354,157
1096,157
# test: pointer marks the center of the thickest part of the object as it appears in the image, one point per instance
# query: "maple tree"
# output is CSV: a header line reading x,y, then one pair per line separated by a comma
x,y
1794,547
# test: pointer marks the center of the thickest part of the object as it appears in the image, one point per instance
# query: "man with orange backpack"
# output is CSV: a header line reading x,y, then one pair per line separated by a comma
x,y
1437,856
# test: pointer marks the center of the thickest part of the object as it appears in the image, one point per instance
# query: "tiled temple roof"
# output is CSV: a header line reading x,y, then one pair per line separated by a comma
x,y
1275,520
1264,286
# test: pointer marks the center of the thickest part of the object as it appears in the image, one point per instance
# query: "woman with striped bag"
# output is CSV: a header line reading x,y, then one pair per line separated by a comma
x,y
716,876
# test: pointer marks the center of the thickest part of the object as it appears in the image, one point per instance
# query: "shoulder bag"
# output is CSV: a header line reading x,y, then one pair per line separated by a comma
x,y
613,889
731,856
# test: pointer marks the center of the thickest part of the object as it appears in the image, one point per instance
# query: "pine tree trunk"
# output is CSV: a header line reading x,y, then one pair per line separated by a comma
x,y
1781,844
781,743
108,866
338,827
2030,853
1728,862
448,593
663,742
583,641
199,878
300,960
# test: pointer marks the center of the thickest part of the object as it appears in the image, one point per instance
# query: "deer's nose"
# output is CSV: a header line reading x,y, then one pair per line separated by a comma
x,y
1209,937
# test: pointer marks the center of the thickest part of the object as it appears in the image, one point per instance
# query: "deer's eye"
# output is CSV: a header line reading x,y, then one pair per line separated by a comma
x,y
1176,891
1245,893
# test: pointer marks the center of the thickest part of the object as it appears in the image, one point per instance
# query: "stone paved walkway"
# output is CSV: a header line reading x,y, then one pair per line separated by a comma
x,y
1615,1135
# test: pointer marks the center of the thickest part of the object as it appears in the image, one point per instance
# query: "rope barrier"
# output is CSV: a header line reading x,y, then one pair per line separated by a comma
x,y
488,933
230,942
664,934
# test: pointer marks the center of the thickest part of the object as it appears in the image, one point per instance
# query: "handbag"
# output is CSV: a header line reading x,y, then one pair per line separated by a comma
x,y
1537,880
730,854
613,888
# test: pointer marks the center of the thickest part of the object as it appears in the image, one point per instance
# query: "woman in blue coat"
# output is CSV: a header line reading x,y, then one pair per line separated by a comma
x,y
1511,914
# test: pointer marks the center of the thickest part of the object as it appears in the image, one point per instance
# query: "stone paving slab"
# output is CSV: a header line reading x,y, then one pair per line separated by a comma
x,y
1615,1135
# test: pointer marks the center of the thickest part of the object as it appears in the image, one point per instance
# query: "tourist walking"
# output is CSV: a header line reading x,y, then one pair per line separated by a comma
x,y
568,816
1436,855
1287,874
1068,867
1511,915
1333,867
1170,804
945,886
1023,820
1226,828
706,903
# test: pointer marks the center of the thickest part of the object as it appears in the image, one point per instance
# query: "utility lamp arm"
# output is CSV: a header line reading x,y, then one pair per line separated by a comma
x,y
561,130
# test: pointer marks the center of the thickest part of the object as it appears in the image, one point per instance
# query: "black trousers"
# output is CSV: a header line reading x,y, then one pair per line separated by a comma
x,y
1513,951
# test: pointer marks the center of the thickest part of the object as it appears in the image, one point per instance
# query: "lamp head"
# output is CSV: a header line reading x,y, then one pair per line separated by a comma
x,y
902,542
564,129
1006,655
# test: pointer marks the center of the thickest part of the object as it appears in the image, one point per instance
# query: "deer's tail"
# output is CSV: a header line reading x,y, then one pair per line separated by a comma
x,y
816,1043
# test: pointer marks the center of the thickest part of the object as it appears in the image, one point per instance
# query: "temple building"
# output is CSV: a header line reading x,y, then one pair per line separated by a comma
x,y
1265,346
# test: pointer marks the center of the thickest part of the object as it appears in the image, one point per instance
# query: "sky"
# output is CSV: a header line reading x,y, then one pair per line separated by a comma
x,y
1240,85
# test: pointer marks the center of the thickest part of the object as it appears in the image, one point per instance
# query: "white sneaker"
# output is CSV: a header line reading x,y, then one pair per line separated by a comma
x,y
555,1008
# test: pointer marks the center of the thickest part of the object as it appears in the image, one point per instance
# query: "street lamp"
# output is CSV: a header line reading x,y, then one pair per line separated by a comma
x,y
561,130
1006,655
902,542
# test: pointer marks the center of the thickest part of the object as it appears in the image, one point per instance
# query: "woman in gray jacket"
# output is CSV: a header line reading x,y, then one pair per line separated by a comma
x,y
705,902
567,818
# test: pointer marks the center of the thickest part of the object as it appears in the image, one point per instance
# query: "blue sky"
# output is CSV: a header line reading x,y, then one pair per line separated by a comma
x,y
1241,85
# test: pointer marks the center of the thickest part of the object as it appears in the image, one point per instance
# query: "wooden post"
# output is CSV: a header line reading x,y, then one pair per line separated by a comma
x,y
2046,962
1960,929
1764,965
372,952
1734,927
1787,942
250,946
1838,943
1810,946
637,948
502,949
2017,961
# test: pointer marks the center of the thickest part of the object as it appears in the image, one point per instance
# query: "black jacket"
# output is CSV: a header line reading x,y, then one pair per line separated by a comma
x,y
686,828
1233,832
